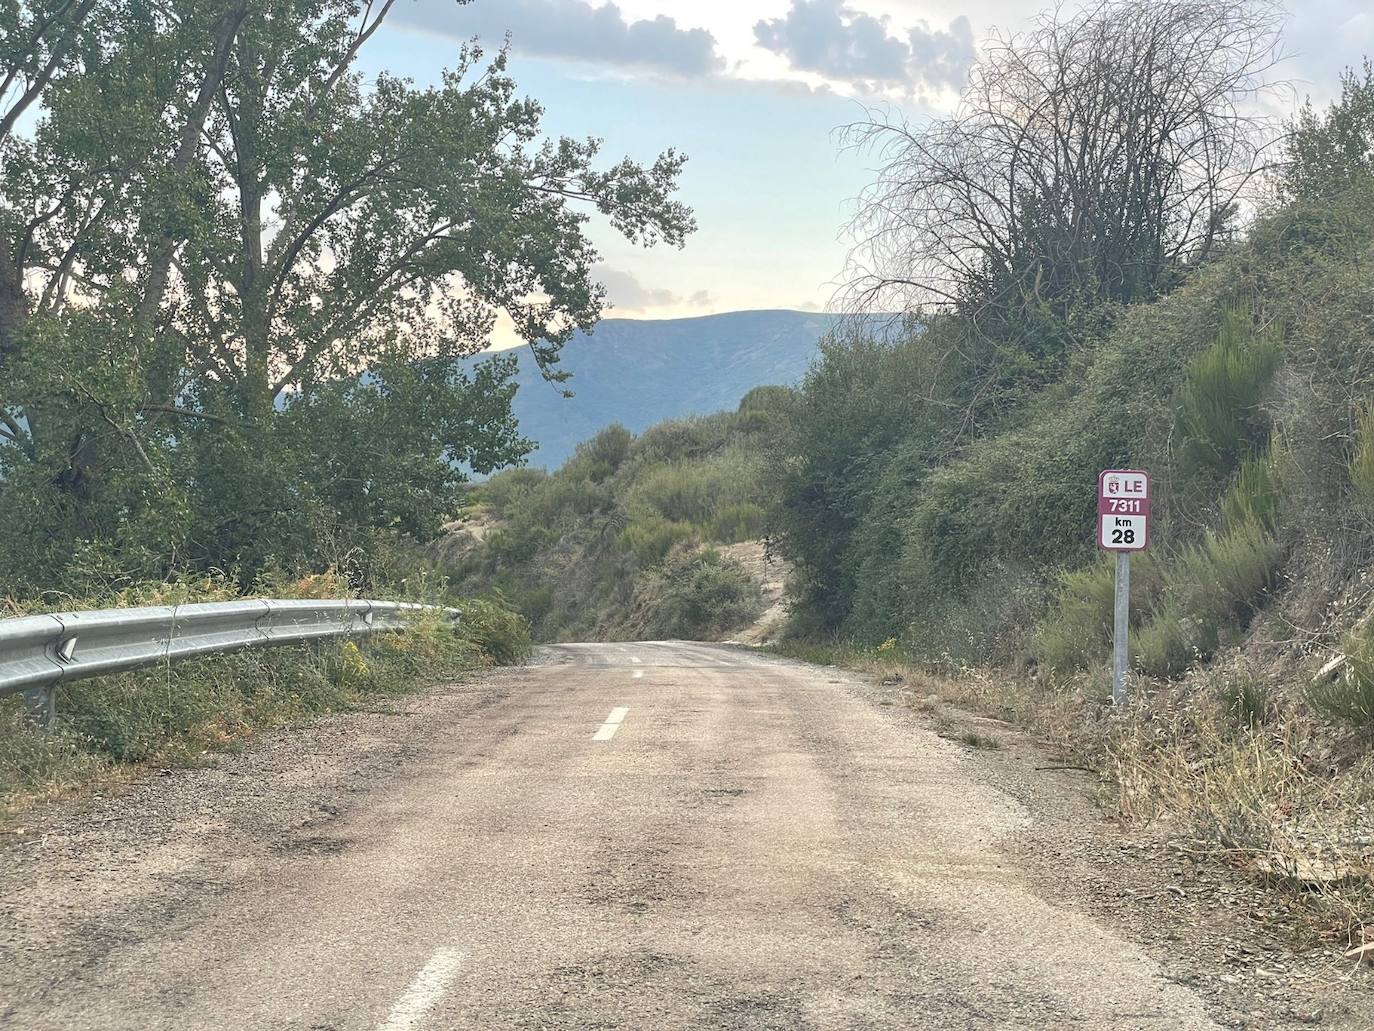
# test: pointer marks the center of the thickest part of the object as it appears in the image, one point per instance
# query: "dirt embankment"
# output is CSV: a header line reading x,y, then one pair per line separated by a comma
x,y
771,573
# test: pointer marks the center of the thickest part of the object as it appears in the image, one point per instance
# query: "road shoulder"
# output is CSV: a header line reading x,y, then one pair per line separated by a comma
x,y
1209,928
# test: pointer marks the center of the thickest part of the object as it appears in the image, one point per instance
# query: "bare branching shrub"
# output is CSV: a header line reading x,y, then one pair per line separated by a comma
x,y
1092,159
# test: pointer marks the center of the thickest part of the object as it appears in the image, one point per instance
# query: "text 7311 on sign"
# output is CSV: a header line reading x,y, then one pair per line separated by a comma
x,y
1123,510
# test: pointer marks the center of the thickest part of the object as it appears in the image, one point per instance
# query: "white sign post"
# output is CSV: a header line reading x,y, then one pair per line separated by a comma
x,y
1123,526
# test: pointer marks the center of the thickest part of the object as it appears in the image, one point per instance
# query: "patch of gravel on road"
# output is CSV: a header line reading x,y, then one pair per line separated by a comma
x,y
1209,928
81,877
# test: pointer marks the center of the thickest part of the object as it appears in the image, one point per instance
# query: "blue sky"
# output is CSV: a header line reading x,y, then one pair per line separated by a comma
x,y
753,91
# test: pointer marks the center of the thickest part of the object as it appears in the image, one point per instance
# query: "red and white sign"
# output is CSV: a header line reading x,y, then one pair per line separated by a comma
x,y
1123,510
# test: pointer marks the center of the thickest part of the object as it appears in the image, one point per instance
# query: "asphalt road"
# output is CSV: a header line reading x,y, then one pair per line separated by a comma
x,y
621,836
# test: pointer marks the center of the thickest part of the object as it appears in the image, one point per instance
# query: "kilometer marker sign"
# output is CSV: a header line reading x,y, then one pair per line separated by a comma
x,y
1123,510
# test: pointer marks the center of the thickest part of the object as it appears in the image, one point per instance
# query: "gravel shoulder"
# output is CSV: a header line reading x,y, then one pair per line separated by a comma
x,y
1211,929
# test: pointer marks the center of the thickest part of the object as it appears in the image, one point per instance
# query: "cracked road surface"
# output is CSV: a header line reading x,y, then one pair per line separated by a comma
x,y
620,836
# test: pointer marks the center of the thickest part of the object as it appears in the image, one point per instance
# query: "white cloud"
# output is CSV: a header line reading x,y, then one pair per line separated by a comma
x,y
835,40
574,30
627,294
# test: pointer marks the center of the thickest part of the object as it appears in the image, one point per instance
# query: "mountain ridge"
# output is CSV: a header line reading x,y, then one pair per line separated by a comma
x,y
638,372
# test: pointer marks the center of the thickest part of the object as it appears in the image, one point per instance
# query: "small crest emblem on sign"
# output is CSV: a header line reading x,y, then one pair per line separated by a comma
x,y
1113,486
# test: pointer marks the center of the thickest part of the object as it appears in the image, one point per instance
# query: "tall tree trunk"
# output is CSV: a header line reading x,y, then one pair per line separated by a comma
x,y
255,389
164,247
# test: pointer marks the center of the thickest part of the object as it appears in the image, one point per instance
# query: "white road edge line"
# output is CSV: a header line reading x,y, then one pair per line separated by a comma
x,y
612,724
427,989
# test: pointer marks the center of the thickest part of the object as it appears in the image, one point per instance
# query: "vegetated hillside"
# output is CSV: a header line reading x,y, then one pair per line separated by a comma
x,y
654,536
1247,393
969,544
637,372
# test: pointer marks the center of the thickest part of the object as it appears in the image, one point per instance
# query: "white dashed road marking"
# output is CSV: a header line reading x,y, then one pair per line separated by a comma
x,y
612,724
426,990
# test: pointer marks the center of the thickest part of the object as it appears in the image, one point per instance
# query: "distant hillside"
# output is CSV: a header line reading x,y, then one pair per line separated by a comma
x,y
641,371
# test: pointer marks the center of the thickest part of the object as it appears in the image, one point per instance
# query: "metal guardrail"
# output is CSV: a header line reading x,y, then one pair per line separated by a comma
x,y
40,653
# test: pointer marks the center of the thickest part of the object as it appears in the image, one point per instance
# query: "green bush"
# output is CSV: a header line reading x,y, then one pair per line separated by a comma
x,y
651,537
697,491
763,410
742,521
495,629
601,457
1237,568
1253,498
1349,699
681,491
1362,461
1182,606
678,440
1170,641
516,544
565,498
1208,592
695,595
1077,631
507,493
1219,413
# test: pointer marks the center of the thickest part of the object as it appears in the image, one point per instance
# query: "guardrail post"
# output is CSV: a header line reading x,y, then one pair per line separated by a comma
x,y
40,706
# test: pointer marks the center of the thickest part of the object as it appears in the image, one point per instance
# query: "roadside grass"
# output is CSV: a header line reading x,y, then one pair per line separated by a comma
x,y
111,728
976,740
1216,761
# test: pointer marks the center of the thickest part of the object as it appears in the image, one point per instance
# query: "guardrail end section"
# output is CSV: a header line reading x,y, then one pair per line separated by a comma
x,y
40,706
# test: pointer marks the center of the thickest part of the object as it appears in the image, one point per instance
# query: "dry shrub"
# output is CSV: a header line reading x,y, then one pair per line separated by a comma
x,y
1269,798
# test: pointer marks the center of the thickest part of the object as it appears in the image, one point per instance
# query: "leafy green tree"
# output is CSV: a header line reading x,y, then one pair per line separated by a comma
x,y
231,268
1333,150
871,417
